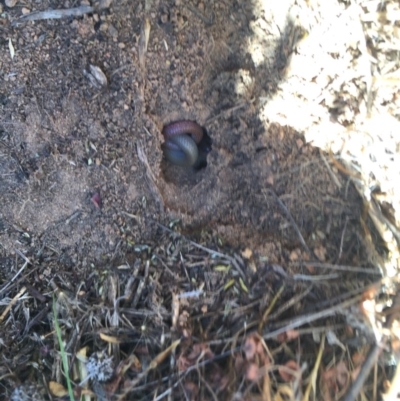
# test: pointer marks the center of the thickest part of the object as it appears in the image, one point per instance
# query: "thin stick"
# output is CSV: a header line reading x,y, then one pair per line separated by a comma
x,y
150,175
301,320
223,113
323,277
249,326
331,173
19,280
289,216
162,395
368,364
208,250
12,303
269,309
342,238
54,14
15,277
153,365
208,21
210,390
351,269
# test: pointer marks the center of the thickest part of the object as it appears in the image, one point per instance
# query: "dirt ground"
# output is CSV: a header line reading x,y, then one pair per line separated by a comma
x,y
88,204
64,140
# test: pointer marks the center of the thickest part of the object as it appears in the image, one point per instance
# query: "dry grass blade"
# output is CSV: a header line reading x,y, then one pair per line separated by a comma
x,y
62,351
149,172
312,380
269,309
299,321
352,269
289,216
153,365
12,303
14,278
143,43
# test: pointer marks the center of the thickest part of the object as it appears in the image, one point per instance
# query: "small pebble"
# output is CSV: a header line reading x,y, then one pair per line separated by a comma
x,y
164,18
103,26
25,10
11,3
299,143
112,31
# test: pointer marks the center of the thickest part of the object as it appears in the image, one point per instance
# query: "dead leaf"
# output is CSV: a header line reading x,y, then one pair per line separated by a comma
x,y
239,364
310,268
11,48
191,390
288,370
132,362
182,363
337,378
294,255
57,389
371,292
247,253
250,348
109,339
358,358
82,353
288,335
320,253
162,355
355,373
200,352
252,372
284,393
254,350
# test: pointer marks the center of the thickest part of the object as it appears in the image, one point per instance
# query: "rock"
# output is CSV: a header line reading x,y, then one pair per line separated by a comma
x,y
104,27
11,3
112,31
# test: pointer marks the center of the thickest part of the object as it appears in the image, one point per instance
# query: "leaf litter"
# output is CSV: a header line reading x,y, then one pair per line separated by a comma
x,y
187,317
